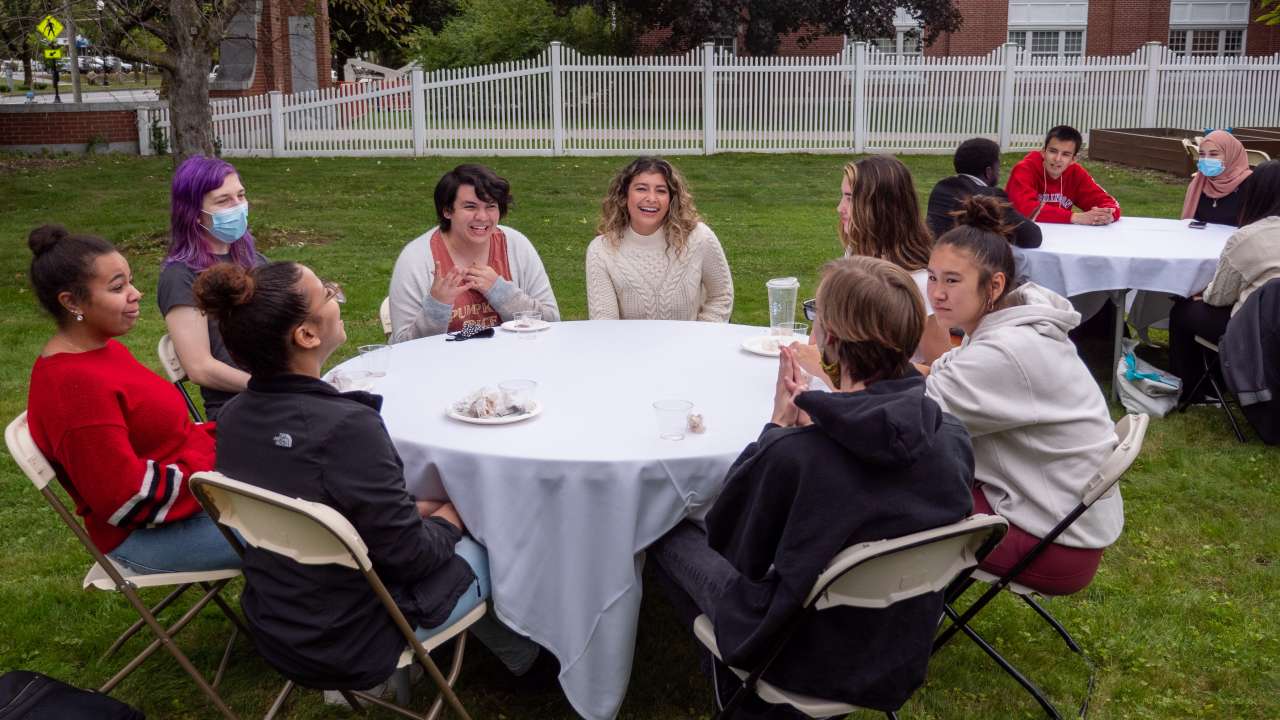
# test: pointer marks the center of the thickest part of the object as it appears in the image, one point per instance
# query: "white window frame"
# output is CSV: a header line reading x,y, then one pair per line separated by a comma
x,y
1061,55
1187,31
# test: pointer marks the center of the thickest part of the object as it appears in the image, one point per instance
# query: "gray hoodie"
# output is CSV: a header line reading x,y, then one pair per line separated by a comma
x,y
1038,420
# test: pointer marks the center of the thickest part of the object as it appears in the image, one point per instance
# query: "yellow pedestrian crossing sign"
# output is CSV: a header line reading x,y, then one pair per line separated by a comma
x,y
50,28
53,53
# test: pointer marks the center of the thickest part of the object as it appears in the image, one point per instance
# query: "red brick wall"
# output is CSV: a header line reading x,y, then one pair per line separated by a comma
x,y
985,28
67,128
274,70
1261,39
1119,27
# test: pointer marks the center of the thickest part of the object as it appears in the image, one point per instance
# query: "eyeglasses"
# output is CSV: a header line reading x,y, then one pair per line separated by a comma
x,y
810,309
333,291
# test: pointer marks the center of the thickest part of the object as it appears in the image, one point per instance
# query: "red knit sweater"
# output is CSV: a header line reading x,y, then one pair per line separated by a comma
x,y
120,438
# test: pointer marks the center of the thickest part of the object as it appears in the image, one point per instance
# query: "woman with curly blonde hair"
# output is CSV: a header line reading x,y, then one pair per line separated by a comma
x,y
880,217
654,258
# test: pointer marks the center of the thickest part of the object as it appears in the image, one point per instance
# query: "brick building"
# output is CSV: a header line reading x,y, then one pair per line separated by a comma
x,y
289,51
1066,28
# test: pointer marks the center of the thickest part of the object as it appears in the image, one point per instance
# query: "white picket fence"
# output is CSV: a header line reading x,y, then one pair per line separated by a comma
x,y
565,103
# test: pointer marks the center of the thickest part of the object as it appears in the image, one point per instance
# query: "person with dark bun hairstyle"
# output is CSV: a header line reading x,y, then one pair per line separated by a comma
x,y
208,224
1039,422
117,434
293,433
467,270
873,459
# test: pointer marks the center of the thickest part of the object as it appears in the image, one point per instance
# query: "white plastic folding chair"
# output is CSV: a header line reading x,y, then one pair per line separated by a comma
x,y
107,575
384,316
176,374
312,533
871,575
1130,432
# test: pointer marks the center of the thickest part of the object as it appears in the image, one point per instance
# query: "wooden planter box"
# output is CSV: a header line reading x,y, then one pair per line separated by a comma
x,y
1153,148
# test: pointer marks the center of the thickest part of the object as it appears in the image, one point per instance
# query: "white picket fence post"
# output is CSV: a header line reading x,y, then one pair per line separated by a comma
x,y
418,112
1010,54
557,102
144,132
860,96
1151,84
277,123
708,98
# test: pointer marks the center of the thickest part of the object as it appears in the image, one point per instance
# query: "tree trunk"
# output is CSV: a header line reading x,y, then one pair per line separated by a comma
x,y
190,119
26,72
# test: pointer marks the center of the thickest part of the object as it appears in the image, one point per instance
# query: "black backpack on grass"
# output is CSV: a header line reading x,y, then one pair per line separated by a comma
x,y
28,695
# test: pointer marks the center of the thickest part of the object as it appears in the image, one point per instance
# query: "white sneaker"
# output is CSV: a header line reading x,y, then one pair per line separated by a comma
x,y
383,690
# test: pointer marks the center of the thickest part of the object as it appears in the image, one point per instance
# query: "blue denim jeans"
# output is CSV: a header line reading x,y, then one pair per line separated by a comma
x,y
514,650
189,545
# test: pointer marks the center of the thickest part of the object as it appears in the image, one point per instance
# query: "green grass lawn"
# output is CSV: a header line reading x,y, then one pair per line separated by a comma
x,y
1181,620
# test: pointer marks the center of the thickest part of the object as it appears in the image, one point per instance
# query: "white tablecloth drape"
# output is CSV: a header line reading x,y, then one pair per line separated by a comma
x,y
565,502
1133,253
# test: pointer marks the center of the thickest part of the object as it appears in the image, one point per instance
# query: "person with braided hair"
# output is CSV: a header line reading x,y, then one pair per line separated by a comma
x,y
1038,419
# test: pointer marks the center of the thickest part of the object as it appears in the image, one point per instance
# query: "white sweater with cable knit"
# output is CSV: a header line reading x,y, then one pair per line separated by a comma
x,y
640,278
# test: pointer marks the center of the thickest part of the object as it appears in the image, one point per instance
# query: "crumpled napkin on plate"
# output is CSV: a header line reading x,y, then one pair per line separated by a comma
x,y
488,403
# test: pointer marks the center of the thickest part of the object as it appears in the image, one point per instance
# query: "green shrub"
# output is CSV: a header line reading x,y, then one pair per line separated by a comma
x,y
42,85
490,31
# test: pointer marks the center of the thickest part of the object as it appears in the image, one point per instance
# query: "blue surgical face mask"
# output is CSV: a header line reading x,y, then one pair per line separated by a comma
x,y
231,224
1210,167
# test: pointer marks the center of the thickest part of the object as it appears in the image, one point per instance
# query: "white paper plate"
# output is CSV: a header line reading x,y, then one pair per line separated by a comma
x,y
507,420
767,345
538,326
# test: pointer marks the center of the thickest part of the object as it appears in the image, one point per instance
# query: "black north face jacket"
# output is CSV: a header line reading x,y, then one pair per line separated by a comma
x,y
321,625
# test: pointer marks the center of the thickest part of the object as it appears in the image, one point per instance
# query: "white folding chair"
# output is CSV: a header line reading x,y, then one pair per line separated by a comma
x,y
107,575
384,316
173,369
871,575
1256,157
1130,432
312,533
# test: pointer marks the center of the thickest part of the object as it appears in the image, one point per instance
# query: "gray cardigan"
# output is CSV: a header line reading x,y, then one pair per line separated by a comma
x,y
415,314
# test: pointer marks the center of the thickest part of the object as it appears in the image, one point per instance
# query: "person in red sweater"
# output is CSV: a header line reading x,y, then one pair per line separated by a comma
x,y
1049,186
117,434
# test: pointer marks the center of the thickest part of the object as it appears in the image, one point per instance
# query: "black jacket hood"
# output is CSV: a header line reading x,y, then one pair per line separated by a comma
x,y
889,424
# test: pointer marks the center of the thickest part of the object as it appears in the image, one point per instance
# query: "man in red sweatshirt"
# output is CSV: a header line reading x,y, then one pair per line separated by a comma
x,y
1048,185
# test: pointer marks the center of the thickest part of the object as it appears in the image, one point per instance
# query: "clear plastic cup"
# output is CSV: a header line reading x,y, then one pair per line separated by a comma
x,y
522,392
672,417
782,300
788,331
377,359
527,322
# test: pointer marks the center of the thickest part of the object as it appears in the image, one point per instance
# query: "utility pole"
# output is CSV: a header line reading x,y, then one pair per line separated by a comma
x,y
74,53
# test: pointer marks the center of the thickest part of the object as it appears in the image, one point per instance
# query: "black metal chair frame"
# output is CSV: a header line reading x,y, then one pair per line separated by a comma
x,y
1210,370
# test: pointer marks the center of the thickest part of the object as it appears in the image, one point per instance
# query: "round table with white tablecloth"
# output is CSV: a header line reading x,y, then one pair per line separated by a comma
x,y
566,501
1133,253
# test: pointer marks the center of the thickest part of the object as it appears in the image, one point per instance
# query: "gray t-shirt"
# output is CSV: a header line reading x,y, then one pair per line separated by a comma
x,y
174,290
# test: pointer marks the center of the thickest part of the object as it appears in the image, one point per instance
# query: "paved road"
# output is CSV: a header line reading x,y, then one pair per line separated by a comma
x,y
97,96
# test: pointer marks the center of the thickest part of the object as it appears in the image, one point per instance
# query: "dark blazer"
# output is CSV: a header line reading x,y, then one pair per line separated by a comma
x,y
1251,360
321,625
950,192
875,464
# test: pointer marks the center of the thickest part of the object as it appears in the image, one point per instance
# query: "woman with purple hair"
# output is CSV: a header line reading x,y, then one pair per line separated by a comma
x,y
209,223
